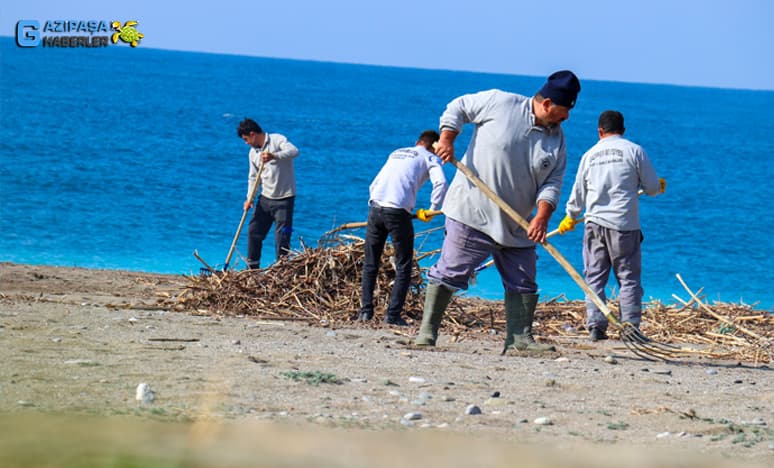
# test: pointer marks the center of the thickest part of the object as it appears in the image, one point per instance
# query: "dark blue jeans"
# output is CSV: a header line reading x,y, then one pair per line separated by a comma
x,y
268,212
397,224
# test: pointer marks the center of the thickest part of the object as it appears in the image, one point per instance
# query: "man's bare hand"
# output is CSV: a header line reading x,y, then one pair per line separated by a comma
x,y
537,230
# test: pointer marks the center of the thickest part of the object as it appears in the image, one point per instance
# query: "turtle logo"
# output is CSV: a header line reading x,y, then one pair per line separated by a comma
x,y
127,33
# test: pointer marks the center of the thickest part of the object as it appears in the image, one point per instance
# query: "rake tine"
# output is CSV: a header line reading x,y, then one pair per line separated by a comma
x,y
640,344
638,336
645,354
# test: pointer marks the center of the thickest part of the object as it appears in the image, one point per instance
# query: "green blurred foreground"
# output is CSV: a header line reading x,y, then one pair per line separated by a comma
x,y
40,440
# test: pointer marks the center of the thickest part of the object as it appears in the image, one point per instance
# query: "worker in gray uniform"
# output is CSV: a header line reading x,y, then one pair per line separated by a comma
x,y
610,176
518,149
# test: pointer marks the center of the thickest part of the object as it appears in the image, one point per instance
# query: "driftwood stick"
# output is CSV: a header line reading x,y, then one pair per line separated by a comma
x,y
714,314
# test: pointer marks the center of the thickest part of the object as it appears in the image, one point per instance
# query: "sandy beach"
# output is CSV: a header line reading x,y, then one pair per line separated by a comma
x,y
238,391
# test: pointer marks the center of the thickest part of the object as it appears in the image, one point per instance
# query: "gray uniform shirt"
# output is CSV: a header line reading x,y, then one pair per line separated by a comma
x,y
521,161
278,179
609,176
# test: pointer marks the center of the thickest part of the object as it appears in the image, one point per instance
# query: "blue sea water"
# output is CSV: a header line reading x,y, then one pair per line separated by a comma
x,y
128,158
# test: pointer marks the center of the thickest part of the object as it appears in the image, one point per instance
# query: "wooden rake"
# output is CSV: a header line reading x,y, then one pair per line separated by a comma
x,y
209,270
632,337
251,197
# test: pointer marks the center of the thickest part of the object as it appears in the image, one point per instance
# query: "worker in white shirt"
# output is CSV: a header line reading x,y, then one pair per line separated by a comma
x,y
393,195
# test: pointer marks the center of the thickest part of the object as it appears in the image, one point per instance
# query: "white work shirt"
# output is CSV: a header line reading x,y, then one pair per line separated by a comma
x,y
609,177
397,183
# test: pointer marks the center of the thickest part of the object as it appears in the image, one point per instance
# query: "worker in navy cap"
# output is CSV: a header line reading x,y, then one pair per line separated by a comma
x,y
518,149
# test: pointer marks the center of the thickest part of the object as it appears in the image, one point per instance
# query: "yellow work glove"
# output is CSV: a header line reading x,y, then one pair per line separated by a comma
x,y
423,215
567,224
662,183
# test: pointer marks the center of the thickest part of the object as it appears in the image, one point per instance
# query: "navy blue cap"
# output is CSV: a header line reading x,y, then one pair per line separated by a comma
x,y
562,88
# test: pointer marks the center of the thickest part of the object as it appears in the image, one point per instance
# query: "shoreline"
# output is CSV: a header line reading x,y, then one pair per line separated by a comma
x,y
488,296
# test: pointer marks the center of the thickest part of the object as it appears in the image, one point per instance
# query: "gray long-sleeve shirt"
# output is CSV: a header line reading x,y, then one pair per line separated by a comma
x,y
518,159
278,179
609,176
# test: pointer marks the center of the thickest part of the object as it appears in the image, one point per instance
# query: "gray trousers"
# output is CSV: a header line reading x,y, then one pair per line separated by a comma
x,y
605,249
465,248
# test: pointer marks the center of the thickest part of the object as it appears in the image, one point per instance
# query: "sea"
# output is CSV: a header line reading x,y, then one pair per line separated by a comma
x,y
128,158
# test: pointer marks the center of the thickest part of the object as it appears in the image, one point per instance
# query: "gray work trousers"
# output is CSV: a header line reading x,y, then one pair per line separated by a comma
x,y
605,249
465,248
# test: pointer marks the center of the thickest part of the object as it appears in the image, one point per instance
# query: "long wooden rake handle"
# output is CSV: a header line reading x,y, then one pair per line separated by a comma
x,y
580,220
251,197
550,248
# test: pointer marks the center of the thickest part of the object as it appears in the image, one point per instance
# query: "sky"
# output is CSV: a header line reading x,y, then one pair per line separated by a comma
x,y
713,43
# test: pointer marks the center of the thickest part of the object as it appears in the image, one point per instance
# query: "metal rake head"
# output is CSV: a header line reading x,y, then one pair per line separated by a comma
x,y
644,347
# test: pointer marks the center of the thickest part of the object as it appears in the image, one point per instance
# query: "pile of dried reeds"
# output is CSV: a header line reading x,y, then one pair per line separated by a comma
x,y
314,284
322,285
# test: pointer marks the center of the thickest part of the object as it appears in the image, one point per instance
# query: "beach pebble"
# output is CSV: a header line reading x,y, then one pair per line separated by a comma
x,y
415,416
562,359
611,360
144,393
543,421
712,371
417,379
236,342
495,395
472,409
495,402
56,339
24,403
663,435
